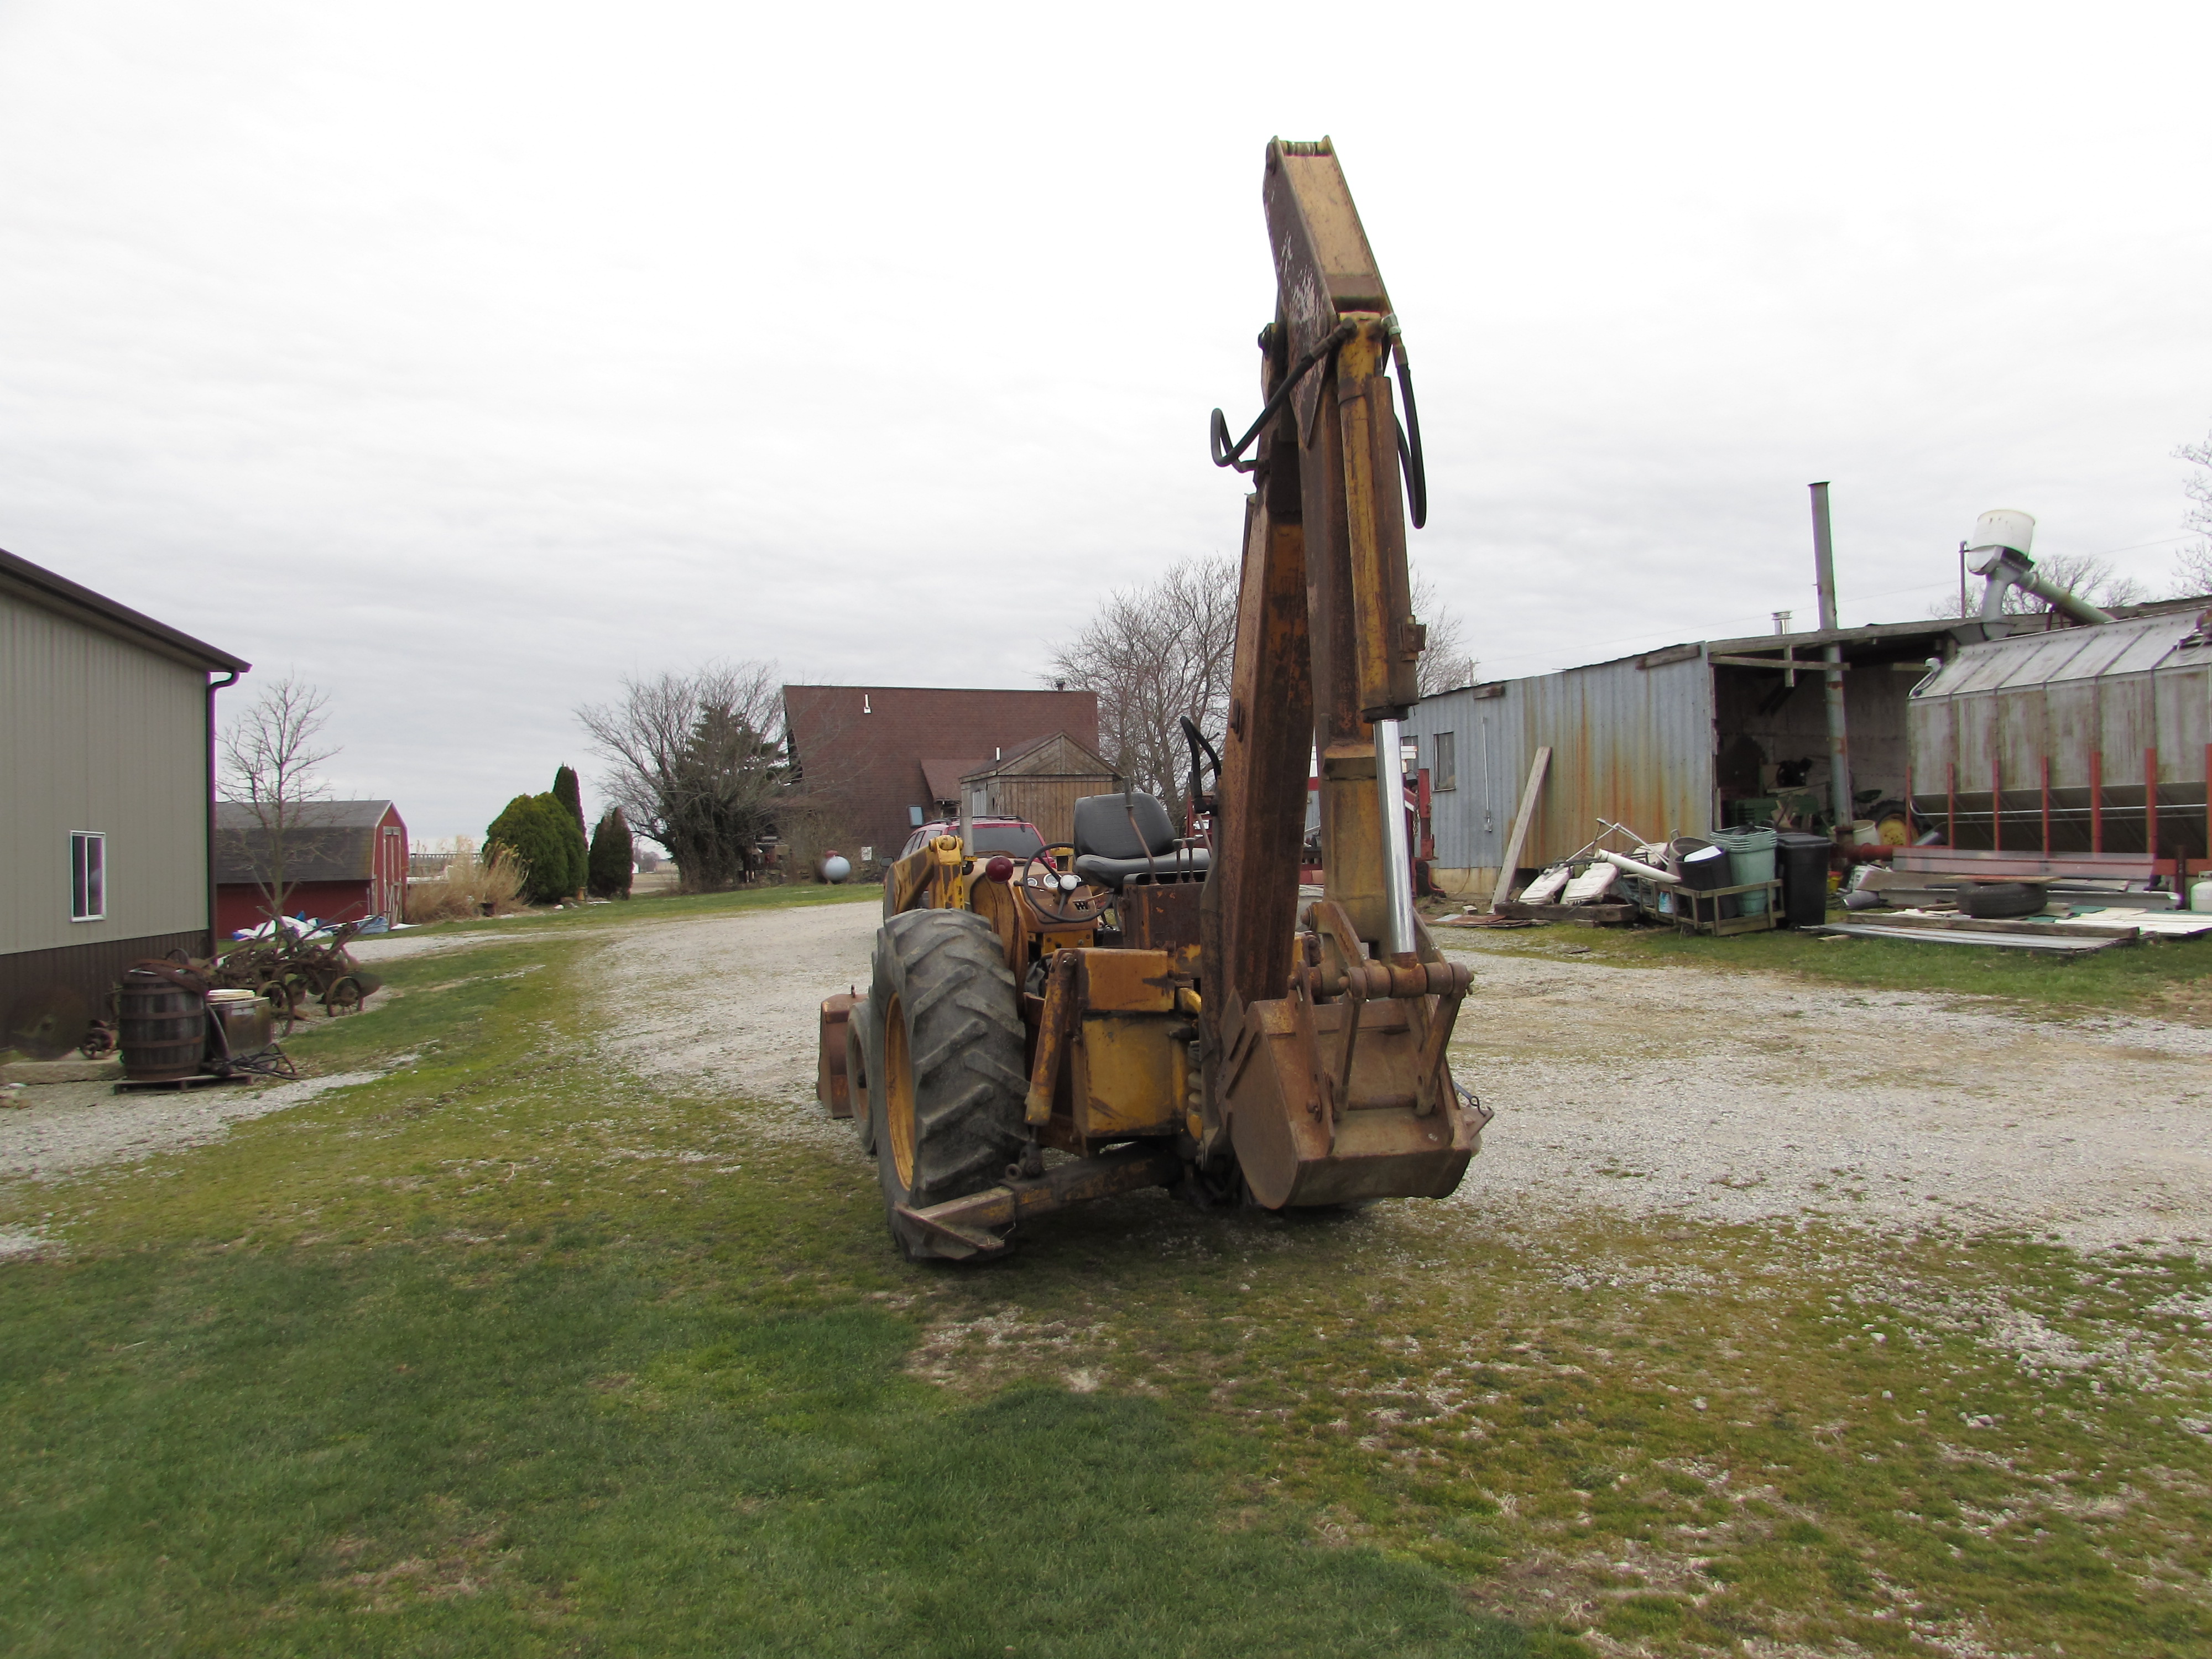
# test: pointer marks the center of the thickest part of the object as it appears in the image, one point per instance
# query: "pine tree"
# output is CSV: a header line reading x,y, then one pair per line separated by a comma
x,y
611,854
570,795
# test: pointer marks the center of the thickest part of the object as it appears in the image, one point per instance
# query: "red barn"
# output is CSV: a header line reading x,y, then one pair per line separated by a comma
x,y
345,860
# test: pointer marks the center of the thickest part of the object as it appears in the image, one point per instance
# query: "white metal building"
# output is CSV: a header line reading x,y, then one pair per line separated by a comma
x,y
107,795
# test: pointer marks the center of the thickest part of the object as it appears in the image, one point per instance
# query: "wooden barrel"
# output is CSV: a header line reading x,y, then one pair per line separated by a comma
x,y
160,1026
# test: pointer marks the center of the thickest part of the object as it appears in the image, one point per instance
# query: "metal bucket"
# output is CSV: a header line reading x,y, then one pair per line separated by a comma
x,y
244,1023
160,1026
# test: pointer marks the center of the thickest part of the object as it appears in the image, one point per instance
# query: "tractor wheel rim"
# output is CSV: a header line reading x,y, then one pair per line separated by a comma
x,y
898,1093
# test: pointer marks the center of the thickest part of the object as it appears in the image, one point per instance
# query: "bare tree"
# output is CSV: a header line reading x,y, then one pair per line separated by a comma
x,y
696,761
272,757
1157,653
2192,566
2085,575
1446,663
1154,654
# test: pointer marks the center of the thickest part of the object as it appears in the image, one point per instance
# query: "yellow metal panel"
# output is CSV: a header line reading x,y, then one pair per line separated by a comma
x,y
1127,981
1128,1076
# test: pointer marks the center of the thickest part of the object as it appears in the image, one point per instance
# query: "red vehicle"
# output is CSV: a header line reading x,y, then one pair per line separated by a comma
x,y
1017,838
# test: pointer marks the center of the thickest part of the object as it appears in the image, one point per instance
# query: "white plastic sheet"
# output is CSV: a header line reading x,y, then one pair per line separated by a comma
x,y
1546,886
1591,886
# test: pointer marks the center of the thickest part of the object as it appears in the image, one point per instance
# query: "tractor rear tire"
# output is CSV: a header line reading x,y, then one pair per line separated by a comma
x,y
946,1084
860,1042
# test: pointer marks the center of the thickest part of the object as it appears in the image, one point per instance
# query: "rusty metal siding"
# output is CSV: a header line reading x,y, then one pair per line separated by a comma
x,y
1472,819
100,735
1629,743
2110,692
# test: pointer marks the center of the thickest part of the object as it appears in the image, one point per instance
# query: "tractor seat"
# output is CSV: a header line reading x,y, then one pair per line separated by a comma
x,y
1109,851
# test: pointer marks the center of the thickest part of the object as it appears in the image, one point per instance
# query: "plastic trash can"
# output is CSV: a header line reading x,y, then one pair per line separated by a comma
x,y
1704,867
1804,860
1751,858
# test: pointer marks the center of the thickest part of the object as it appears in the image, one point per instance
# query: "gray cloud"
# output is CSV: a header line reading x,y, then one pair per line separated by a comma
x,y
464,362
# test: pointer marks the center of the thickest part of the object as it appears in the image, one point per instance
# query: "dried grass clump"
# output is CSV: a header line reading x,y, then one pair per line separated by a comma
x,y
468,885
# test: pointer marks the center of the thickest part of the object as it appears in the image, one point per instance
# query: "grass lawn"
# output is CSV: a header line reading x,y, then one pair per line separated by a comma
x,y
510,1351
2165,978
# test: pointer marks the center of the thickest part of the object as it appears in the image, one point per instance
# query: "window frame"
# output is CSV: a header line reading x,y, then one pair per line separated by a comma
x,y
1443,746
88,875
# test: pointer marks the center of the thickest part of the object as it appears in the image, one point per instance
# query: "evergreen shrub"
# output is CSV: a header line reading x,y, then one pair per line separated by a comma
x,y
611,854
536,832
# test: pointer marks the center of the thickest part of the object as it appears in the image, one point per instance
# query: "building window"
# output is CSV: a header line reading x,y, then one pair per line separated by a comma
x,y
1444,761
87,876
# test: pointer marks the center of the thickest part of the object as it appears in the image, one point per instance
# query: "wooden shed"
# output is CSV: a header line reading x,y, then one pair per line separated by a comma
x,y
1040,782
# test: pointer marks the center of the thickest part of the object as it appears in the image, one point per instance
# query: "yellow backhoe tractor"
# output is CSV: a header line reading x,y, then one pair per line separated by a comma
x,y
1161,1010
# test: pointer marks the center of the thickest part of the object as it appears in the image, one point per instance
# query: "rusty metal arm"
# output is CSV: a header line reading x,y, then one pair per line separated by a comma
x,y
976,1225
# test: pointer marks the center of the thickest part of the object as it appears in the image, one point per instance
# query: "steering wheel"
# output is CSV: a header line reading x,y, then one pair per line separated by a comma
x,y
1060,895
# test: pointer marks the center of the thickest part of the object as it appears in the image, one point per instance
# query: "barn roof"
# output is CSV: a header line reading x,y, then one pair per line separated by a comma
x,y
1039,757
944,776
332,841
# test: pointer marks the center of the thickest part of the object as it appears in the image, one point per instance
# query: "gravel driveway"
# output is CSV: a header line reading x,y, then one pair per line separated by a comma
x,y
1644,1092
1738,1097
732,1003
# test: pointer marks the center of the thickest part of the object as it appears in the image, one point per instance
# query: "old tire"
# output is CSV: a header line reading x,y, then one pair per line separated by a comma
x,y
859,1041
947,1082
1996,901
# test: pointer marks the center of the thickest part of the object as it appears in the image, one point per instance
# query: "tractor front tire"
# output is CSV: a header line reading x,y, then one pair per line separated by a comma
x,y
946,1079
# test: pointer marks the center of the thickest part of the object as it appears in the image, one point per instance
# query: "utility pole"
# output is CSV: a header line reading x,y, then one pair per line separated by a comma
x,y
1824,576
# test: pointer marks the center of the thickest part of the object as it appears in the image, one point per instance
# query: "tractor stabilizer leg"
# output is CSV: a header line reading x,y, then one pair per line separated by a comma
x,y
964,1229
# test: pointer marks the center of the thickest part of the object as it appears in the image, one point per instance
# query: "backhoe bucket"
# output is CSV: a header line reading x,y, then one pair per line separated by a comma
x,y
1301,1140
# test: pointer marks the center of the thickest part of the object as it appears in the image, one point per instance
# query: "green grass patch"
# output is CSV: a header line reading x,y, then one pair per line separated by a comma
x,y
652,907
2164,978
509,1351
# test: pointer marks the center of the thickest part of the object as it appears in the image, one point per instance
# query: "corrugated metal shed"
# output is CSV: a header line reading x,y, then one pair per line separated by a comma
x,y
1631,740
2103,707
107,735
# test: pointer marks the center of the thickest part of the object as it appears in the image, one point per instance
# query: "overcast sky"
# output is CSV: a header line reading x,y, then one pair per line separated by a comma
x,y
464,359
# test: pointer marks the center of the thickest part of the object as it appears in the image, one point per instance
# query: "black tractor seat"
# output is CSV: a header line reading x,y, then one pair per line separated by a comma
x,y
1121,838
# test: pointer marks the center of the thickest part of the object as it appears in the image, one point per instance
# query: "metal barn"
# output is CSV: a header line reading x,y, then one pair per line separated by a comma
x,y
1667,742
107,754
2078,750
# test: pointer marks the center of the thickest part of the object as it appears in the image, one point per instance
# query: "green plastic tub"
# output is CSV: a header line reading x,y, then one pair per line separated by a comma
x,y
1751,858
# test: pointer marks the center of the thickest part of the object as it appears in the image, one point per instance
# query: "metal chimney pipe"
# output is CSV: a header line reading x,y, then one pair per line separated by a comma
x,y
1824,577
